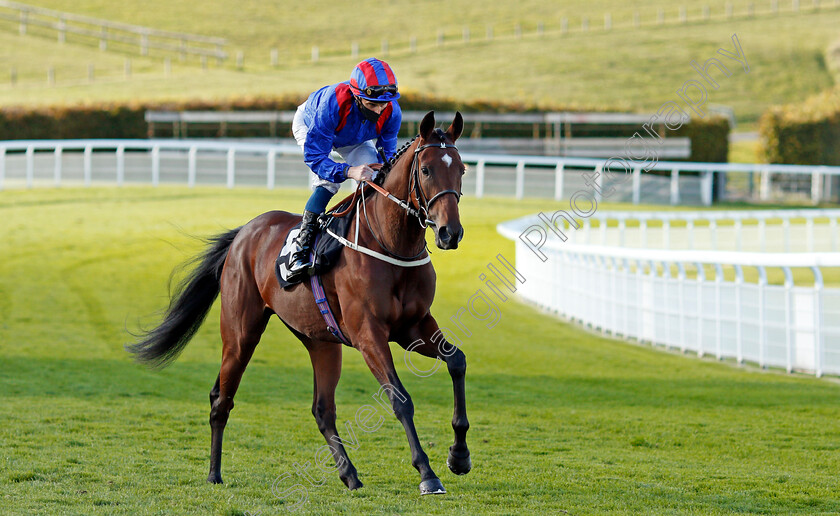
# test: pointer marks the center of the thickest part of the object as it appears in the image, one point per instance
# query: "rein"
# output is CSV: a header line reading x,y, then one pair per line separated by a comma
x,y
420,212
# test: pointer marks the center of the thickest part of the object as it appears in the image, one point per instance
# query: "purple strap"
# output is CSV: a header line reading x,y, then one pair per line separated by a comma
x,y
323,304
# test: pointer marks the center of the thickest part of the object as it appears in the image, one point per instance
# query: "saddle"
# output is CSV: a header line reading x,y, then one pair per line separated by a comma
x,y
325,247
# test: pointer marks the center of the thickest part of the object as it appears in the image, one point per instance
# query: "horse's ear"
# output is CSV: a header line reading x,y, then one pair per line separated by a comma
x,y
457,127
427,125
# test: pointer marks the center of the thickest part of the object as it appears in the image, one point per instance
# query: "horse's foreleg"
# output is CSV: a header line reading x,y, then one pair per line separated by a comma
x,y
426,339
242,325
326,364
377,355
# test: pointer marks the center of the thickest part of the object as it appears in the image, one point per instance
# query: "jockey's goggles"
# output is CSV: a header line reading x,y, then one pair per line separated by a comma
x,y
374,92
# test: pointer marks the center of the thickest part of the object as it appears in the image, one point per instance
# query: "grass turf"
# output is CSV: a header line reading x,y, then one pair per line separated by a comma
x,y
626,68
562,419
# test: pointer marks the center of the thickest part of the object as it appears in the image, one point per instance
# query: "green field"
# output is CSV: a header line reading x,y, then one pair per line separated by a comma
x,y
563,421
623,68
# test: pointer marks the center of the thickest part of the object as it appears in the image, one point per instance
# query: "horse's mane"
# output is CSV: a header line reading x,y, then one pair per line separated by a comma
x,y
380,178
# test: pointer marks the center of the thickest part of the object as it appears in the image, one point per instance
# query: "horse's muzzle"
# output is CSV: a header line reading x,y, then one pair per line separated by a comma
x,y
447,237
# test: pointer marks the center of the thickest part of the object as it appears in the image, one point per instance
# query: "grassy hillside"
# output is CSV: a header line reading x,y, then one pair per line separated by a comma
x,y
562,420
624,68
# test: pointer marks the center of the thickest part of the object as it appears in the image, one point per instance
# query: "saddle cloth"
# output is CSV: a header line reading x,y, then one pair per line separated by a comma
x,y
326,249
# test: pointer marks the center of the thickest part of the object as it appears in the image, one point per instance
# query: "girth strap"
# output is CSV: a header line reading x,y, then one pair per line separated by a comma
x,y
323,304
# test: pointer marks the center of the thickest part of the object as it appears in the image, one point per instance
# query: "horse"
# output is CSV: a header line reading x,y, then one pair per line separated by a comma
x,y
374,301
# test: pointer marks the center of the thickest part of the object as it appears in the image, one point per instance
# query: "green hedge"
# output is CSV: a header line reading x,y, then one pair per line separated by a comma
x,y
708,137
806,134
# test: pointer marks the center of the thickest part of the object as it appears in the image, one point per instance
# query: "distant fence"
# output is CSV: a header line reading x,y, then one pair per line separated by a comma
x,y
552,132
651,17
27,162
668,297
106,32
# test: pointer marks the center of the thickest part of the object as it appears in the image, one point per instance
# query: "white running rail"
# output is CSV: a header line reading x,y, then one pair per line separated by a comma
x,y
690,299
491,174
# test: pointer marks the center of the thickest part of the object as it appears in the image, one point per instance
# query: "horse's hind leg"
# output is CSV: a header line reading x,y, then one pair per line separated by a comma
x,y
326,364
243,322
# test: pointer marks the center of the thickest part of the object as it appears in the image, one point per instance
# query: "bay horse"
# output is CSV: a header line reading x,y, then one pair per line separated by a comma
x,y
374,301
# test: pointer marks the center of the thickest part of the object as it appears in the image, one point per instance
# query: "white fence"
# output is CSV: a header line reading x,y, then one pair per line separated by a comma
x,y
686,299
27,162
556,127
107,32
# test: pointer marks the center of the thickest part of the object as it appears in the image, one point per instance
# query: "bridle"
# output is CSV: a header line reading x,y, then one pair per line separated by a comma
x,y
414,186
416,204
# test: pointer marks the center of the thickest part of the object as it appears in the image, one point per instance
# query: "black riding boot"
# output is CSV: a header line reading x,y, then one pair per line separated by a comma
x,y
303,245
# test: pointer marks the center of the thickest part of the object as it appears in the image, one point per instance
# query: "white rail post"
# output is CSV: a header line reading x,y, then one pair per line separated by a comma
x,y
681,304
272,166
738,234
832,224
602,229
816,183
192,155
120,165
666,234
637,185
558,182
155,165
827,180
616,302
706,181
675,186
819,341
689,226
718,325
88,165
739,343
788,319
57,165
520,180
809,233
622,229
786,232
479,179
762,330
701,278
764,185
599,181
762,235
30,166
640,310
231,166
666,279
2,167
626,299
643,232
713,233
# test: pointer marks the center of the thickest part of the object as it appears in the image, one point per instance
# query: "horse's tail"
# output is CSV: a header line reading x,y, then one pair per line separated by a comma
x,y
188,307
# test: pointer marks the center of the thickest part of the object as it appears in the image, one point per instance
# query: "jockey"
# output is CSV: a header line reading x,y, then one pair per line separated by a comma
x,y
347,117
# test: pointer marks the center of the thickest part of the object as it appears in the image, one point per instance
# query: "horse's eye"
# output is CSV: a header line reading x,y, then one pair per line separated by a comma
x,y
425,170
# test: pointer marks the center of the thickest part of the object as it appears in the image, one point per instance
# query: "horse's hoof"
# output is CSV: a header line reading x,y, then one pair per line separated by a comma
x,y
432,486
215,478
354,483
459,465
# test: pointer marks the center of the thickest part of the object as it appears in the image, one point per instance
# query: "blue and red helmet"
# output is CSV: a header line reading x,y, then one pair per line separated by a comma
x,y
374,80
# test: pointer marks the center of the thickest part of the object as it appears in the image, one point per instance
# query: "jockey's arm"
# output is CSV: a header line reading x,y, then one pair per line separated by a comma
x,y
317,149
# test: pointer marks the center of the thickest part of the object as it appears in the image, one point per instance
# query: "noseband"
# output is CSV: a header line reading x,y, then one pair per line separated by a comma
x,y
416,189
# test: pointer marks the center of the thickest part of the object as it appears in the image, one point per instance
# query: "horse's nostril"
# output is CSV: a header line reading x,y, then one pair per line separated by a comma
x,y
443,234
